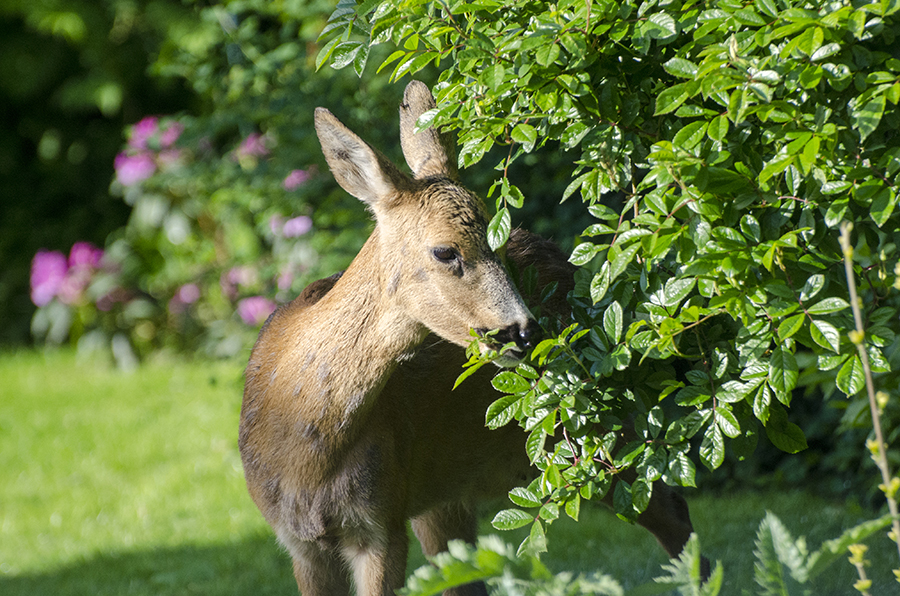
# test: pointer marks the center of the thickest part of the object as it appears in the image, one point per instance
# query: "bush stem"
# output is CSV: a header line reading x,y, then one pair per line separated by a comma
x,y
859,341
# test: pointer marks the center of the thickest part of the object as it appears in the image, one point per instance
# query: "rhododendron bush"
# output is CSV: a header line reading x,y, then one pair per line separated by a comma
x,y
231,214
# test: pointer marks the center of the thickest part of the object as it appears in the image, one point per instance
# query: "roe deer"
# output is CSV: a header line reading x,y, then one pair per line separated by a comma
x,y
348,425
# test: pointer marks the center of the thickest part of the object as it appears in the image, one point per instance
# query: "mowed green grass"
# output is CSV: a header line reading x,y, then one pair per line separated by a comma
x,y
130,483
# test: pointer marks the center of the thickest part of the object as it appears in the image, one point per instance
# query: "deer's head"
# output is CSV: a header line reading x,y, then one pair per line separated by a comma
x,y
434,261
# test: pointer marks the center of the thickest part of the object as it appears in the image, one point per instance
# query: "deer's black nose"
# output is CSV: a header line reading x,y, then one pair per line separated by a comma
x,y
524,337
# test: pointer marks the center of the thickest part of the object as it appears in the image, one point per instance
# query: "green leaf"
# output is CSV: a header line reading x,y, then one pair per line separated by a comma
x,y
501,411
827,306
344,53
832,550
718,128
493,75
359,62
620,262
813,286
790,326
761,403
510,382
681,67
851,378
775,547
785,435
682,469
834,187
731,392
728,423
712,448
573,507
767,7
826,335
547,54
783,371
669,99
524,497
525,134
510,519
612,321
326,51
690,135
583,253
534,445
686,427
600,283
882,207
866,118
660,26
499,229
775,166
827,50
622,500
677,290
641,491
835,212
537,541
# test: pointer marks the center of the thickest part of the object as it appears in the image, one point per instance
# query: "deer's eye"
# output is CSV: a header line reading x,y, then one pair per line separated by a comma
x,y
445,254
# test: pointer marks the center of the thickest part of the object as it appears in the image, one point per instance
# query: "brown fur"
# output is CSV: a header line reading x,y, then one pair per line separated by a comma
x,y
349,427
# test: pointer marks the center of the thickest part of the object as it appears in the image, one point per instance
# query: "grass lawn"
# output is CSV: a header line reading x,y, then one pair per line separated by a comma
x,y
130,483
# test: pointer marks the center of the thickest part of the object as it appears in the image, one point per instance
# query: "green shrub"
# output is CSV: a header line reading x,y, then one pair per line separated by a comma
x,y
739,137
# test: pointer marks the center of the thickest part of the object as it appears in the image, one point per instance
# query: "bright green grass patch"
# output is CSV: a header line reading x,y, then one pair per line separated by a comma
x,y
130,483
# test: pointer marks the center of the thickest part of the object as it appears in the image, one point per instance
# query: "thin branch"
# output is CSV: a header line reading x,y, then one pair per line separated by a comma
x,y
858,339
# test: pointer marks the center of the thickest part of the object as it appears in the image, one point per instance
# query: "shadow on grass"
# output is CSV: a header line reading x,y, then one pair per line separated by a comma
x,y
252,566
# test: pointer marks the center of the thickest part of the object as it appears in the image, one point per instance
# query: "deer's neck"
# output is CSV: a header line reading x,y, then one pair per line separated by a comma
x,y
358,333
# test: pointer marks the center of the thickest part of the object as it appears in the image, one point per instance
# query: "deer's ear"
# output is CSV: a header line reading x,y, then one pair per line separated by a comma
x,y
428,152
360,170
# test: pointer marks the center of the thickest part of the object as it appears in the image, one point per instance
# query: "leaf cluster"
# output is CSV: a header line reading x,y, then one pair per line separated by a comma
x,y
717,148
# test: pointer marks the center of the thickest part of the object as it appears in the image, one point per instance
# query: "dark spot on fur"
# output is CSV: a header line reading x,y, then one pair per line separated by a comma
x,y
272,490
393,284
305,516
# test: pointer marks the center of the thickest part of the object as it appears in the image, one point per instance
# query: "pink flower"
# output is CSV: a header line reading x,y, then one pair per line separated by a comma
x,y
71,291
184,296
171,134
253,145
236,277
131,169
295,179
85,255
255,310
143,131
285,280
297,226
48,271
188,293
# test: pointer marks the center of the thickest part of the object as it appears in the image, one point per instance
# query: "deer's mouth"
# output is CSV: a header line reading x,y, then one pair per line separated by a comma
x,y
510,349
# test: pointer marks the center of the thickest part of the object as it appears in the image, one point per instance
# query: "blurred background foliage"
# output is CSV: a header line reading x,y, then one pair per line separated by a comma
x,y
163,186
214,106
71,75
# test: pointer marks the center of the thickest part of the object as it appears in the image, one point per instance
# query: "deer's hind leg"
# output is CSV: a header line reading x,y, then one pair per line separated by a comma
x,y
667,517
319,571
438,526
378,560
